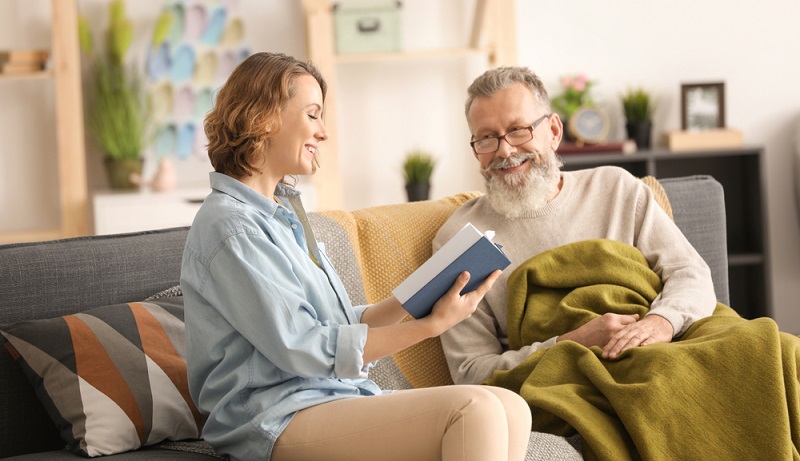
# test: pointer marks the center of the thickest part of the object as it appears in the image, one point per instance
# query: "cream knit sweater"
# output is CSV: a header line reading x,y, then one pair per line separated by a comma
x,y
605,202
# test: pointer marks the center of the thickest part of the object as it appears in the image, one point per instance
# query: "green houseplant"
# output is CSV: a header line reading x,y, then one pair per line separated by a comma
x,y
417,170
638,108
116,111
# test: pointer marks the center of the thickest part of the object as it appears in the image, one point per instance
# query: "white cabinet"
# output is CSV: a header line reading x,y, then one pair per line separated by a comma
x,y
120,212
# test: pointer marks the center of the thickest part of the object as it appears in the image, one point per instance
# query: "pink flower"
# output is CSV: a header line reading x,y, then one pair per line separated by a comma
x,y
575,94
580,82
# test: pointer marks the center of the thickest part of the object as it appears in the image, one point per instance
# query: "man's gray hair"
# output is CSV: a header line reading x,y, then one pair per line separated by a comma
x,y
494,80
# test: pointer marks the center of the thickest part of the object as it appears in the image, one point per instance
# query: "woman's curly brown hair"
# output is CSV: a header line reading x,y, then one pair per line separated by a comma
x,y
247,110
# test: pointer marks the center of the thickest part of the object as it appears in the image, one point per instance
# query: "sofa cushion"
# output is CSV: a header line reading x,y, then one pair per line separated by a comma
x,y
111,378
379,238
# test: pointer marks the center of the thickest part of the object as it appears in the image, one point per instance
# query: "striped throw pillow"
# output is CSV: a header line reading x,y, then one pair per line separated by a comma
x,y
112,378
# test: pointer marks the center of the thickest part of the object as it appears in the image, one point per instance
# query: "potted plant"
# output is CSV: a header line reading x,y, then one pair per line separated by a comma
x,y
417,170
638,108
575,94
116,112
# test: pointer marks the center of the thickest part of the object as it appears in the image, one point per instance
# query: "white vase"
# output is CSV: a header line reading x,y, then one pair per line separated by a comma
x,y
165,178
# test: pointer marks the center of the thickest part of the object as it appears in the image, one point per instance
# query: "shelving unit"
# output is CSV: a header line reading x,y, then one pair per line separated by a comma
x,y
740,171
493,36
70,159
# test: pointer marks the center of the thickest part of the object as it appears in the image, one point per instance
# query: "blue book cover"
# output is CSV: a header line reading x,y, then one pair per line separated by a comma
x,y
480,259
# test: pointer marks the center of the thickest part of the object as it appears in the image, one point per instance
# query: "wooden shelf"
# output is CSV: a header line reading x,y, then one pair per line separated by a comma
x,y
40,75
493,36
745,259
70,158
411,55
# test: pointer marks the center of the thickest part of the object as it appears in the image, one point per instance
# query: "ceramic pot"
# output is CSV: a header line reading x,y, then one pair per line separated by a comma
x,y
640,133
124,173
417,192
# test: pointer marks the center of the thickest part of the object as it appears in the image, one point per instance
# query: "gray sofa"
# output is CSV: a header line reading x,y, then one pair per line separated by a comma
x,y
56,278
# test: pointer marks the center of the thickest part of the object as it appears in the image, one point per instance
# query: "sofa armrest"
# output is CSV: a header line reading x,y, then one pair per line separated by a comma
x,y
698,207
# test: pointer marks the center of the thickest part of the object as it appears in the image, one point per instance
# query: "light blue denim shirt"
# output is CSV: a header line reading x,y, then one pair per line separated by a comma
x,y
268,332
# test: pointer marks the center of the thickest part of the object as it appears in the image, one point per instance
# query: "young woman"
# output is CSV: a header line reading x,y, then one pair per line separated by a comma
x,y
277,355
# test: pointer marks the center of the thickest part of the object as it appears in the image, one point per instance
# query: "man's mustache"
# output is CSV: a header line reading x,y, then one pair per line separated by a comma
x,y
510,162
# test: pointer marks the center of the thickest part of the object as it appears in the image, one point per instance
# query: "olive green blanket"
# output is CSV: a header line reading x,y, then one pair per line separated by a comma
x,y
726,390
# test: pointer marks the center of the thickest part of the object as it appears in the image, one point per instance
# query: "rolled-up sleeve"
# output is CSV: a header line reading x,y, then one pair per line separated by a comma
x,y
350,352
359,310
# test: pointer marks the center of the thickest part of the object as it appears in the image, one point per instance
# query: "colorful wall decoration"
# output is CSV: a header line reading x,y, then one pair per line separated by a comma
x,y
195,47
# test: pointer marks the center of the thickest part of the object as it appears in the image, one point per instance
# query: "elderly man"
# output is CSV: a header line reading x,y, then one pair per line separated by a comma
x,y
534,207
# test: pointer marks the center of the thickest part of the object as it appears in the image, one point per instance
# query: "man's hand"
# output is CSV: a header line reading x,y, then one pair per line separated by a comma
x,y
650,330
600,330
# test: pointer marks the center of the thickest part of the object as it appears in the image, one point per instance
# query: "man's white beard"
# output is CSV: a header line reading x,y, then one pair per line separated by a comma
x,y
516,194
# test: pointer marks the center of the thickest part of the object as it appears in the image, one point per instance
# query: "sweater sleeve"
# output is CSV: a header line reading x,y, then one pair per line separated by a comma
x,y
473,350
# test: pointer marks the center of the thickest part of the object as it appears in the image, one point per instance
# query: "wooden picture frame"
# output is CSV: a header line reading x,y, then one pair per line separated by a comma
x,y
702,106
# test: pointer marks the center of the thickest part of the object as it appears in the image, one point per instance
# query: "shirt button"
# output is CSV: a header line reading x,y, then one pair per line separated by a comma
x,y
294,226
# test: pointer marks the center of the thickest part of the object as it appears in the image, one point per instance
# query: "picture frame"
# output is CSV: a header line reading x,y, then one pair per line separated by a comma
x,y
702,106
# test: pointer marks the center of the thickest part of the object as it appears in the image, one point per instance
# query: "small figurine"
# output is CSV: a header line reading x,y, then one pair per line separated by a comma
x,y
165,178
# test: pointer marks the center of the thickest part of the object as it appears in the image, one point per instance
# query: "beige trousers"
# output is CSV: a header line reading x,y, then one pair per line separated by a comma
x,y
448,423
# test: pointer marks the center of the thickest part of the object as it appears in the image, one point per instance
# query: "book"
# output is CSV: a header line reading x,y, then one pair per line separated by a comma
x,y
625,147
469,250
31,56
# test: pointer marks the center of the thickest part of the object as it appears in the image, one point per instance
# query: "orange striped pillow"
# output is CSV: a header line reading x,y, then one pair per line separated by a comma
x,y
112,378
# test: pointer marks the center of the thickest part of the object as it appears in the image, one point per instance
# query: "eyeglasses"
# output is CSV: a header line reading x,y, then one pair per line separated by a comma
x,y
516,137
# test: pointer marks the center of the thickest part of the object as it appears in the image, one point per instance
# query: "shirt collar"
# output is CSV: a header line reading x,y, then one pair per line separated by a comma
x,y
243,193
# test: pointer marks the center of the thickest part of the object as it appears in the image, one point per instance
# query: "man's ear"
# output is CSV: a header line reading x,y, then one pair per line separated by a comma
x,y
556,131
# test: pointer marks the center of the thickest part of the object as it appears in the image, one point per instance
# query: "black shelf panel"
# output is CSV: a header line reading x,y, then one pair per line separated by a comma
x,y
637,168
747,290
745,259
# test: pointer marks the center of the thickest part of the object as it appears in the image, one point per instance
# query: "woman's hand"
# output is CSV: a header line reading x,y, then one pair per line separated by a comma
x,y
454,307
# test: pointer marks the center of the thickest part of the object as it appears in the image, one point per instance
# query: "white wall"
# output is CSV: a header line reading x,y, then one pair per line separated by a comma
x,y
387,108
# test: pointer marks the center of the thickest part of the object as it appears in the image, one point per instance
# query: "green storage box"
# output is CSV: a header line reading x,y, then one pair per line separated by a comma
x,y
368,26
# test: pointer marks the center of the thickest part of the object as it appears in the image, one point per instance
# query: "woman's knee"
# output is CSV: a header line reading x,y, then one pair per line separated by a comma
x,y
480,400
515,406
